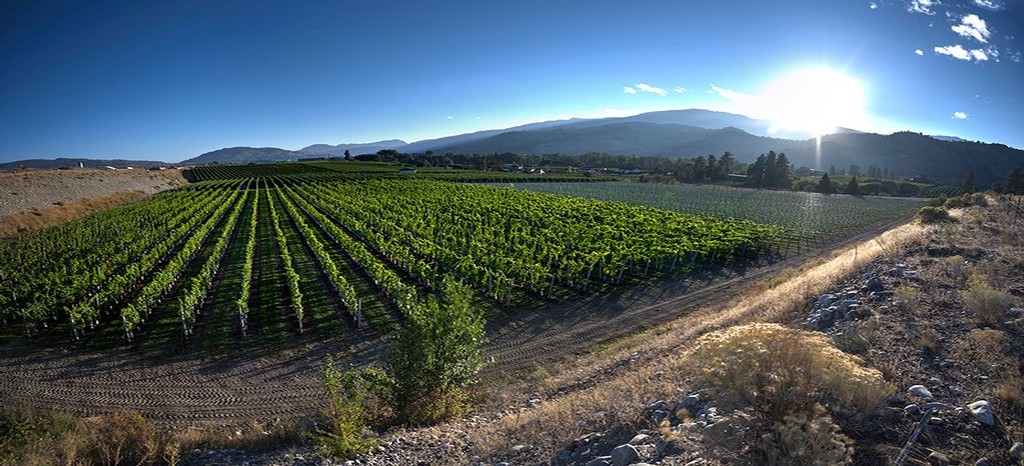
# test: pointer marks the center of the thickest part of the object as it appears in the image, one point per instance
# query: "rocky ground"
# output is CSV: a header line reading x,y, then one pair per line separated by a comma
x,y
939,317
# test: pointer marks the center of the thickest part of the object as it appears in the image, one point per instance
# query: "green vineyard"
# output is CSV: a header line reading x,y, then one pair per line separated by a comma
x,y
259,252
287,248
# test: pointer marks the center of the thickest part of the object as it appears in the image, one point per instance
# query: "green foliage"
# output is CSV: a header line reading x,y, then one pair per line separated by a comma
x,y
436,355
1014,182
852,188
46,437
825,185
348,393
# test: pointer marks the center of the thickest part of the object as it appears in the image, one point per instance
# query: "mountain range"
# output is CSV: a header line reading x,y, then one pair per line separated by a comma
x,y
689,133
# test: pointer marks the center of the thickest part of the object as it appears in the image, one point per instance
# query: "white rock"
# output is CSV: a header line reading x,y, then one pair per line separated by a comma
x,y
920,391
983,412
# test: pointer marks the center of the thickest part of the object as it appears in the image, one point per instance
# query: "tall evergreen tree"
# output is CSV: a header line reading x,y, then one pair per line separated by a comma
x,y
1015,182
756,173
825,185
781,177
726,163
853,188
699,169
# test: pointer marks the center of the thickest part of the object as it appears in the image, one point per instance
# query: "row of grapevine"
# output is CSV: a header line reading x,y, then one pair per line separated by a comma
x,y
291,276
136,311
199,284
250,252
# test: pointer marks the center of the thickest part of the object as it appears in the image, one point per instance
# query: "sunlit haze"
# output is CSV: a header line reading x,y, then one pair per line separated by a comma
x,y
171,80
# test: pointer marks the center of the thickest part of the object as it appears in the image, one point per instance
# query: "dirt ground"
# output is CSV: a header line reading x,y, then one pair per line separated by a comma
x,y
35,199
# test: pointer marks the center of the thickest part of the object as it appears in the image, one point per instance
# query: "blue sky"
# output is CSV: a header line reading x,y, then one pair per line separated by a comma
x,y
171,80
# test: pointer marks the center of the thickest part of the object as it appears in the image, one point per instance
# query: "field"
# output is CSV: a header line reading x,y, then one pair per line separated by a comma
x,y
238,282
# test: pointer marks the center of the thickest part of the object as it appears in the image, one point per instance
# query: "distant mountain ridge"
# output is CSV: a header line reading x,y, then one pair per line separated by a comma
x,y
246,155
354,149
61,162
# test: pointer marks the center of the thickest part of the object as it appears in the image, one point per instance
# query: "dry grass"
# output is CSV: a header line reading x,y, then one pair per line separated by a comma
x,y
42,217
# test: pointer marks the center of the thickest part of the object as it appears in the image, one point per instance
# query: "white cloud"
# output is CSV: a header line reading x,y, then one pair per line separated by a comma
x,y
629,90
919,52
973,26
680,90
651,89
727,93
955,51
449,117
994,5
922,6
873,6
960,116
979,55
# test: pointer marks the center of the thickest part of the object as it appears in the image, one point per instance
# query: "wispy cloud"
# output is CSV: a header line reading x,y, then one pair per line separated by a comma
x,y
919,52
994,5
960,116
680,90
873,6
974,27
651,89
922,6
629,90
727,93
449,117
959,52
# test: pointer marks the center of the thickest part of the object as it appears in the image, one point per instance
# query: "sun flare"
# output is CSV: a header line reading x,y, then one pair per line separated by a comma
x,y
814,101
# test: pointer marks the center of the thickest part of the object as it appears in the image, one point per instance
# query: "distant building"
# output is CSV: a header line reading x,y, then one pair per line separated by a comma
x,y
407,171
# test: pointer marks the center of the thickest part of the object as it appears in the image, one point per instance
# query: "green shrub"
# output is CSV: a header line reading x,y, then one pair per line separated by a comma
x,y
435,357
347,395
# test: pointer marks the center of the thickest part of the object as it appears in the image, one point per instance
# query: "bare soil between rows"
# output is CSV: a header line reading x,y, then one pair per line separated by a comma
x,y
245,384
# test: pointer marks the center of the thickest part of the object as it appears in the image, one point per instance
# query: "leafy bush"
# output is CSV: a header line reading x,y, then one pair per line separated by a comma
x,y
436,355
779,372
347,395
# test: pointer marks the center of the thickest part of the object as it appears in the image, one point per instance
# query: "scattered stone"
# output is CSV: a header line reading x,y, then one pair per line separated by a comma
x,y
938,458
658,416
690,400
600,461
920,391
936,405
983,462
912,410
1017,450
874,284
518,448
598,416
659,405
983,412
936,421
1015,312
826,299
883,309
623,455
638,439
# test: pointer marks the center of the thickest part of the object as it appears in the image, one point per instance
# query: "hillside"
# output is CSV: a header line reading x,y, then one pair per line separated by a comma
x,y
58,163
354,149
246,155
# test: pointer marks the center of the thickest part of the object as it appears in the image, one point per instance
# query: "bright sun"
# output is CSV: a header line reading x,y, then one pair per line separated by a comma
x,y
814,101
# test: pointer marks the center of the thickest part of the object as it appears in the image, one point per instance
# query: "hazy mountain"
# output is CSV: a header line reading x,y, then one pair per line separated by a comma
x,y
50,164
246,155
355,149
948,138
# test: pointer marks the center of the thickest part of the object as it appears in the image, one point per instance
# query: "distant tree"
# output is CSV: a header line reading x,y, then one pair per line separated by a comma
x,y
854,170
348,156
970,183
699,169
781,175
726,163
713,168
825,185
853,188
756,173
832,170
1014,182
